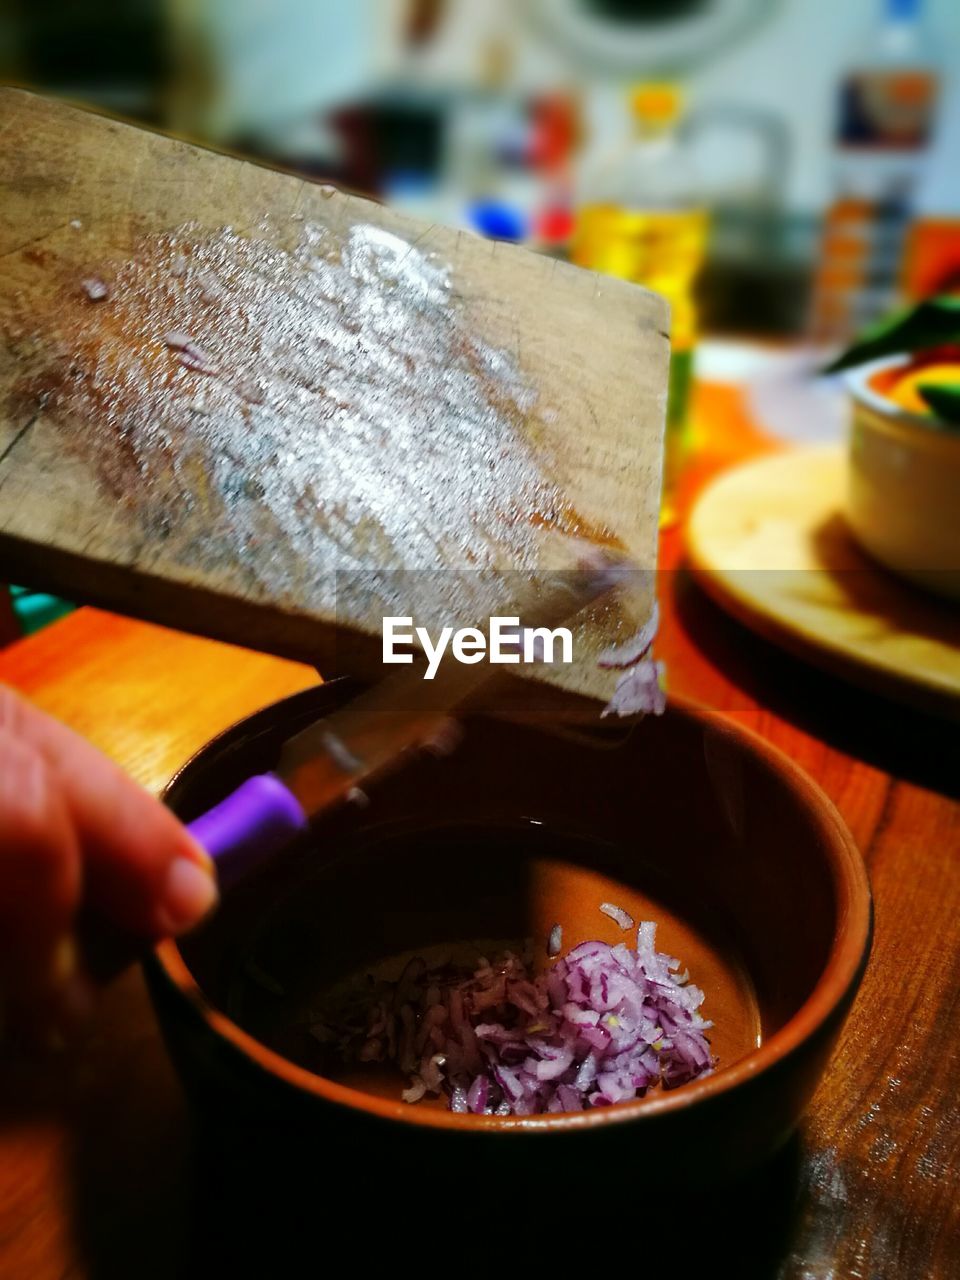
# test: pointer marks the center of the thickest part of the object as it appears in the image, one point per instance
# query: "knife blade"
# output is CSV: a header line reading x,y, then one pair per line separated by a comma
x,y
323,764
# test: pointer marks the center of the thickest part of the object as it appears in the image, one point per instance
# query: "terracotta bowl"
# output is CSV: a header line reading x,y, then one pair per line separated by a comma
x,y
688,820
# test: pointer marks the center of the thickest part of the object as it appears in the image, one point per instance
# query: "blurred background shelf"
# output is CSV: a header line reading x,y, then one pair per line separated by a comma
x,y
443,105
816,141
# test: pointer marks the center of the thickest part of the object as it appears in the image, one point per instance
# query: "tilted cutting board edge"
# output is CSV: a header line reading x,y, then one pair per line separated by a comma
x,y
594,349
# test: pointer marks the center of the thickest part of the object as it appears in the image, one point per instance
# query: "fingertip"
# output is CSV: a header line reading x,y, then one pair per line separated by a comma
x,y
189,894
146,872
194,850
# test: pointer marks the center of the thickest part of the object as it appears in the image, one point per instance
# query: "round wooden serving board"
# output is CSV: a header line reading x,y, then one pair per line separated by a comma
x,y
768,541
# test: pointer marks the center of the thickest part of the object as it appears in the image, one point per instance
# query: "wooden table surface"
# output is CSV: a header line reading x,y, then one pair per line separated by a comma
x,y
94,1151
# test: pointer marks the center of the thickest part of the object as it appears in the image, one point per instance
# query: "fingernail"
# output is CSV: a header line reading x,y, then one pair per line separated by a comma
x,y
202,858
189,893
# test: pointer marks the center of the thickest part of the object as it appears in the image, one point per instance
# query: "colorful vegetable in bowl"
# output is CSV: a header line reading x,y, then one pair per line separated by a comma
x,y
904,476
926,379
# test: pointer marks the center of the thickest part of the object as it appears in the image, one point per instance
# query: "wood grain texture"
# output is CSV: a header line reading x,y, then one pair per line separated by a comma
x,y
371,393
94,1159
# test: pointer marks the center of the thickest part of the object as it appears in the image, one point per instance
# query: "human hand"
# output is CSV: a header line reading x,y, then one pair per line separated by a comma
x,y
76,832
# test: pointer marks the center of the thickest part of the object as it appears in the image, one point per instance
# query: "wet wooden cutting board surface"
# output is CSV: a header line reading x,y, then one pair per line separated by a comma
x,y
361,392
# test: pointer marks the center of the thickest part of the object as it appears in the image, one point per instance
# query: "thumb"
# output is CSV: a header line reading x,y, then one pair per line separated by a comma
x,y
141,868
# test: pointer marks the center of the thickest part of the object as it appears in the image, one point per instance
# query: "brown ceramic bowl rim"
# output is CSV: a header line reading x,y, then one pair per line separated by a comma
x,y
847,954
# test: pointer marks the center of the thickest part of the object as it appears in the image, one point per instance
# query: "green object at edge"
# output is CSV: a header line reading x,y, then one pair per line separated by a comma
x,y
35,610
933,323
945,403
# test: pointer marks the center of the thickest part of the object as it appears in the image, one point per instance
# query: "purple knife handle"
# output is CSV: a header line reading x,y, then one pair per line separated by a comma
x,y
252,824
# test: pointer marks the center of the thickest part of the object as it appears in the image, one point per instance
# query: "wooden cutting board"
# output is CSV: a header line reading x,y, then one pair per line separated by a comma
x,y
769,542
242,404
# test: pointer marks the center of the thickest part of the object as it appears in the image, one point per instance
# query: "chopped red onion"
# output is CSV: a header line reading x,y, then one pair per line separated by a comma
x,y
210,288
626,655
95,289
250,390
623,918
189,353
639,690
177,340
196,359
478,1094
603,1025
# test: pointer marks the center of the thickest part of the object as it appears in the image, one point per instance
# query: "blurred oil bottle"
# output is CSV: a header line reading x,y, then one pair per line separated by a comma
x,y
641,216
885,114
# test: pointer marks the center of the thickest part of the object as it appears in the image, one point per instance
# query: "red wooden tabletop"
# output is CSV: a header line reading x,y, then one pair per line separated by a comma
x,y
94,1154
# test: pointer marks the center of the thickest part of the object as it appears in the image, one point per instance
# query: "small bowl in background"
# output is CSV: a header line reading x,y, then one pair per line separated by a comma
x,y
903,493
688,820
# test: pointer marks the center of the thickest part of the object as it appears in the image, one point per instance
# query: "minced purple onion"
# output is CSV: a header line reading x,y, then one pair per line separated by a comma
x,y
639,688
95,289
623,918
603,1025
